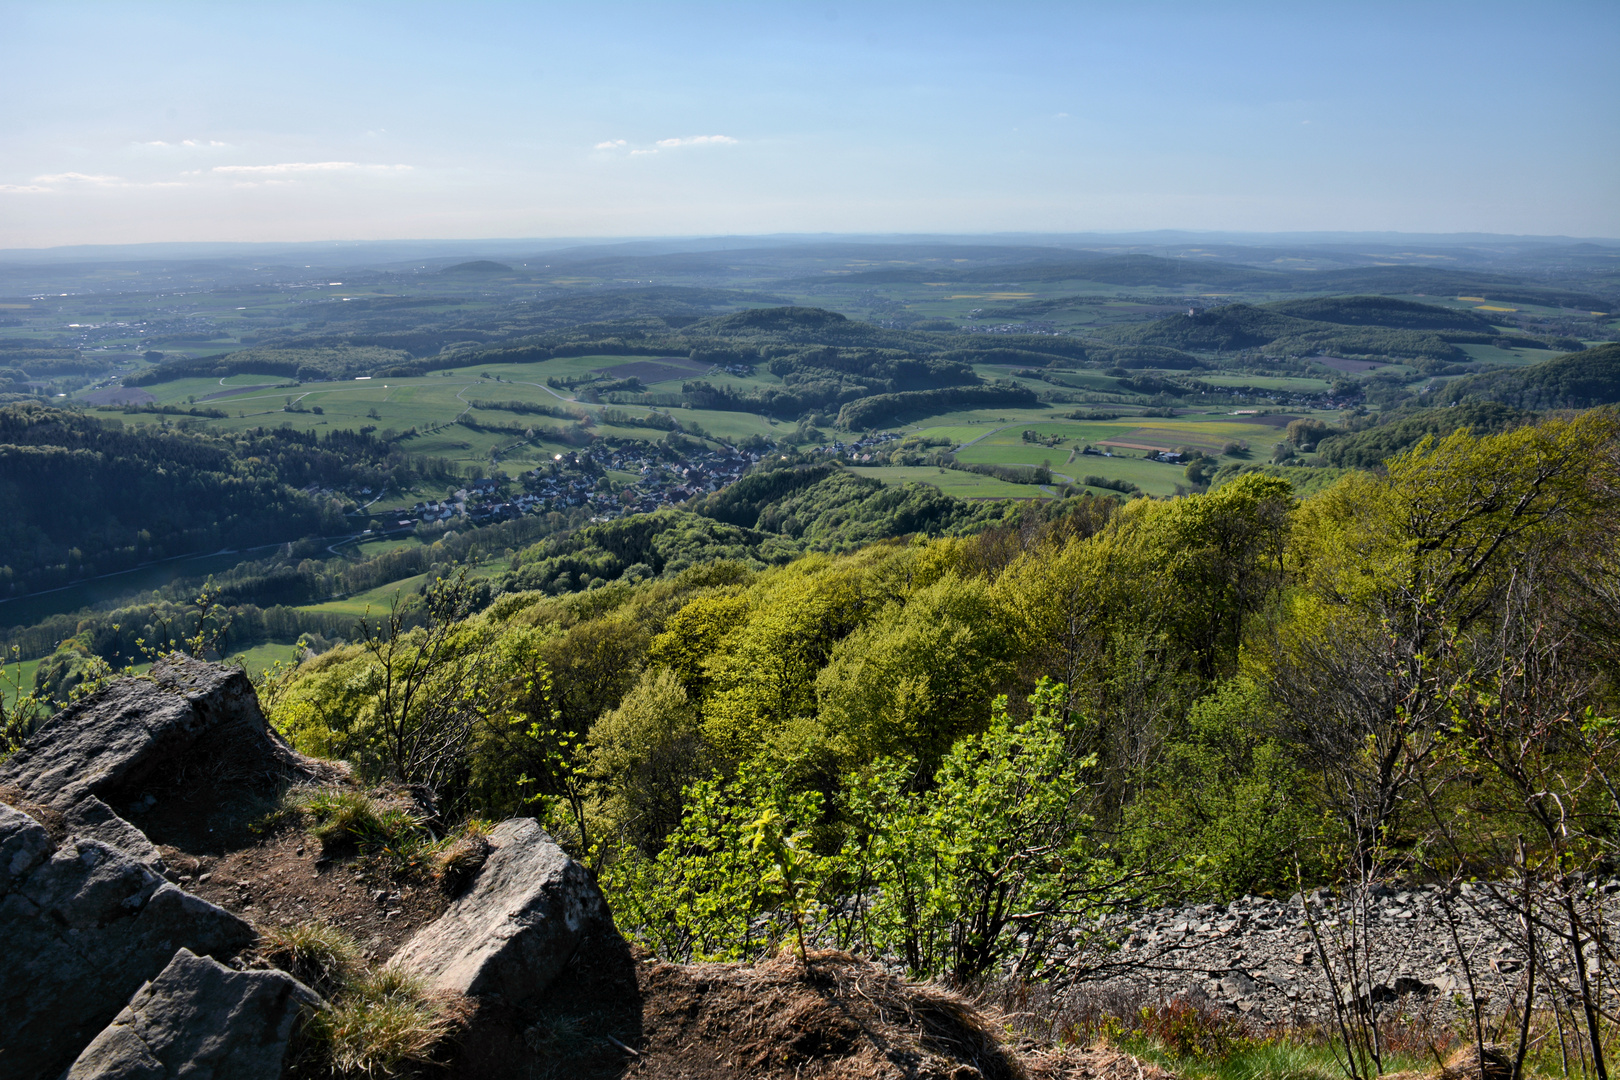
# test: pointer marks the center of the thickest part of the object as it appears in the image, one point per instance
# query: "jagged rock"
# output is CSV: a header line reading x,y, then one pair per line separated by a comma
x,y
111,741
23,846
1238,984
199,1019
515,928
94,820
85,926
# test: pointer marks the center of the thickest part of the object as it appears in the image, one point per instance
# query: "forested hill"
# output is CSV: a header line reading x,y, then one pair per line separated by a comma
x,y
84,496
1369,449
990,697
1577,381
1345,326
1383,311
763,519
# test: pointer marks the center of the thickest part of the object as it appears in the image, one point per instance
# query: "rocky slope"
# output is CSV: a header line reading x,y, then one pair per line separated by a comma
x,y
149,883
1423,946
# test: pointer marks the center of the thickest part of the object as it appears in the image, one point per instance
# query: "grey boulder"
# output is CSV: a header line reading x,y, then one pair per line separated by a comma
x,y
113,740
516,927
200,1020
85,925
23,846
93,819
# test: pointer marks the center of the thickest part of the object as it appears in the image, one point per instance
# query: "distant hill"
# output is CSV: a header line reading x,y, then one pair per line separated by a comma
x,y
477,266
1222,329
1136,270
1371,448
1344,326
305,365
1382,311
1574,381
778,318
1437,282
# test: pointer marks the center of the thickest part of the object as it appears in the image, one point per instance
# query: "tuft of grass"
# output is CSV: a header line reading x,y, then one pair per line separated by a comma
x,y
356,820
384,1024
375,1022
462,856
346,821
315,953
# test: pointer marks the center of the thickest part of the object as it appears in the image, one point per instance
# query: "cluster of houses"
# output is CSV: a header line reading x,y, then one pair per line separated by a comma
x,y
861,450
663,483
1037,326
579,479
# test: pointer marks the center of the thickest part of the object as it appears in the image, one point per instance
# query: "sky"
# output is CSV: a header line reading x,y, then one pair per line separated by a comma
x,y
138,122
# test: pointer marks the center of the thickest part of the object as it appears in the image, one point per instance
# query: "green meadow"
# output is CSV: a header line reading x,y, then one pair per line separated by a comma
x,y
963,485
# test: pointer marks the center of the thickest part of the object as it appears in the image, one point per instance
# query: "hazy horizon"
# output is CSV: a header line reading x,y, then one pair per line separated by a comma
x,y
167,123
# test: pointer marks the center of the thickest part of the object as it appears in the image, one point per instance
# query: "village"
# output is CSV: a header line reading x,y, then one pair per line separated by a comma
x,y
582,478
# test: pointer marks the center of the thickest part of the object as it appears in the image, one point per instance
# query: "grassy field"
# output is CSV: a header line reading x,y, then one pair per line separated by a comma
x,y
963,485
1271,382
1490,354
1004,445
431,403
257,660
370,549
372,602
1154,477
376,601
16,680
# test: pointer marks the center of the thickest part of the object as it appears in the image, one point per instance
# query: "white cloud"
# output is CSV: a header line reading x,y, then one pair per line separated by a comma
x,y
307,167
79,178
191,143
22,189
637,153
697,140
611,144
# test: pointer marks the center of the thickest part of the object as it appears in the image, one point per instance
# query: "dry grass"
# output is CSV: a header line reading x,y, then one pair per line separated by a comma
x,y
383,1025
1465,1065
376,1022
385,827
51,818
319,955
461,857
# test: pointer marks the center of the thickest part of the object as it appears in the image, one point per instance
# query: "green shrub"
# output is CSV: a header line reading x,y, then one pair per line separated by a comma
x,y
1228,807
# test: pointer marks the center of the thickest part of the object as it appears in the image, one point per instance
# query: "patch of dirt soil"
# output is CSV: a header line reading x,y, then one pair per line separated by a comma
x,y
615,1013
283,878
207,820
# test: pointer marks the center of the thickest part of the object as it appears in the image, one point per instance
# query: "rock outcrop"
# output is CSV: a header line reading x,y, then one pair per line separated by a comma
x,y
516,927
90,919
110,742
92,819
199,1019
85,926
109,962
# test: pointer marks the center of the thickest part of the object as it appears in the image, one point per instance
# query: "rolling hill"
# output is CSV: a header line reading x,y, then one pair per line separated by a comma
x,y
1579,380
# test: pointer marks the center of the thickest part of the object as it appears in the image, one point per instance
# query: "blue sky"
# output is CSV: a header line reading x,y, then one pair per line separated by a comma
x,y
135,122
